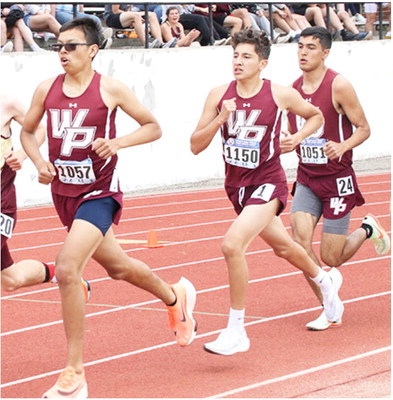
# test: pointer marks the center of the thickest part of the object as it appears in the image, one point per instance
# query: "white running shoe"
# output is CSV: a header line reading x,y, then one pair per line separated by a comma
x,y
379,237
229,341
219,42
332,304
171,43
107,33
322,323
9,46
106,43
282,38
155,44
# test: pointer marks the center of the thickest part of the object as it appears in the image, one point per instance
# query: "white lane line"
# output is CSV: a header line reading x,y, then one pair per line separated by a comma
x,y
147,349
301,373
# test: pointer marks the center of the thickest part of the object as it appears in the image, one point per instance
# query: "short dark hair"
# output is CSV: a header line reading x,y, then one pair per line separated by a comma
x,y
88,26
321,33
258,38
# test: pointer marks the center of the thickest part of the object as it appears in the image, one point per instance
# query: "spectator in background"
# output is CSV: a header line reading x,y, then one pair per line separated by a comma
x,y
346,20
158,9
354,10
259,17
38,18
65,13
371,10
190,20
317,13
240,11
5,46
13,17
120,16
285,20
172,28
222,15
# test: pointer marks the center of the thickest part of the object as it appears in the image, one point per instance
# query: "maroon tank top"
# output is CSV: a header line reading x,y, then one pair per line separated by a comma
x,y
73,124
250,139
337,127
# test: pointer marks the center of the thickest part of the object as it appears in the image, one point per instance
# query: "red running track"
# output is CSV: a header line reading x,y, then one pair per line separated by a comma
x,y
129,351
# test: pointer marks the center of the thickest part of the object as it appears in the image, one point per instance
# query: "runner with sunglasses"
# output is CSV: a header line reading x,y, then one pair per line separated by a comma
x,y
81,108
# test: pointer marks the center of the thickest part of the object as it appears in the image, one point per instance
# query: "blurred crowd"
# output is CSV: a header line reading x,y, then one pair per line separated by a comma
x,y
31,26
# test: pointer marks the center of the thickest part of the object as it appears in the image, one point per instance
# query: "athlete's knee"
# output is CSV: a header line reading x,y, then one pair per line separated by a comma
x,y
332,260
230,247
116,273
66,272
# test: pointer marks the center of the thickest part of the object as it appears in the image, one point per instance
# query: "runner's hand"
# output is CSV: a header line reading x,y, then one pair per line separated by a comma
x,y
15,159
105,148
334,150
288,142
228,106
46,172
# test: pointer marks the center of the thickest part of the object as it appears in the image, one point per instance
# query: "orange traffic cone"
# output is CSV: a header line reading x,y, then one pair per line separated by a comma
x,y
152,241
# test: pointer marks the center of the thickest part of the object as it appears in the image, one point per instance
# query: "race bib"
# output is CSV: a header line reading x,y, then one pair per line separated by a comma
x,y
7,225
75,172
311,151
264,192
242,153
345,186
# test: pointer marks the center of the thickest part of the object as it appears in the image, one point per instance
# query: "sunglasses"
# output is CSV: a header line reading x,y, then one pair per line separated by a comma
x,y
68,46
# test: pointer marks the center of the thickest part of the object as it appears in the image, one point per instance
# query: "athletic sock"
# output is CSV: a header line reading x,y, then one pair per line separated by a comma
x,y
320,279
49,272
236,318
368,228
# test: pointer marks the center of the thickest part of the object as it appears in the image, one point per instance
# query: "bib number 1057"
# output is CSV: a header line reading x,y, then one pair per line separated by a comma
x,y
75,172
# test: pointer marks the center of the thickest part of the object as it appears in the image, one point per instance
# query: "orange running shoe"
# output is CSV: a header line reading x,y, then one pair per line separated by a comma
x,y
86,289
69,385
180,315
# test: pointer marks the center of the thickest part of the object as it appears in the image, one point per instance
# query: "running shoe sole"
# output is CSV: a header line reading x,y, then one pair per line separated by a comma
x,y
243,347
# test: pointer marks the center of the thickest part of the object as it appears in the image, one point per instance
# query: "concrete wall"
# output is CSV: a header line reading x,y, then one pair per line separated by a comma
x,y
174,83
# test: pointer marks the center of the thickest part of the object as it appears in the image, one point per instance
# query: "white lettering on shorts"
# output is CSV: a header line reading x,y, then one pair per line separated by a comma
x,y
337,204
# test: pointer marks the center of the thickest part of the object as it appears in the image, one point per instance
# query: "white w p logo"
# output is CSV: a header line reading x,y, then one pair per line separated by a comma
x,y
74,135
337,204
